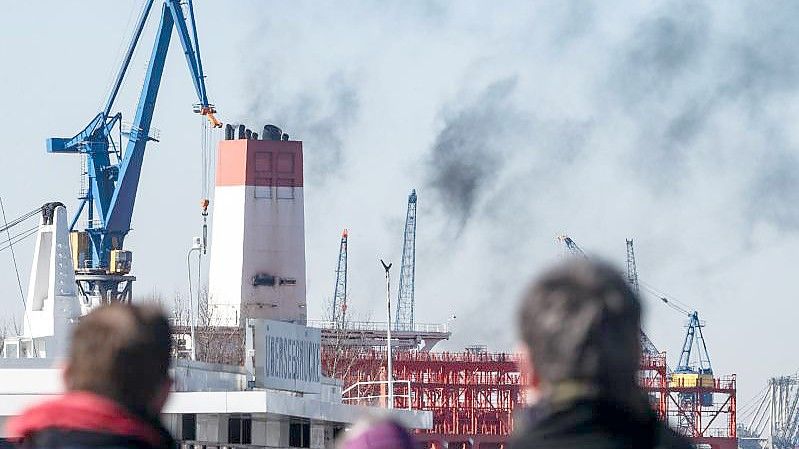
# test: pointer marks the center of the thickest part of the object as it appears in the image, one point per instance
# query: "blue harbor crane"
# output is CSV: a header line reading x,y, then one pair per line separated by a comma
x,y
111,174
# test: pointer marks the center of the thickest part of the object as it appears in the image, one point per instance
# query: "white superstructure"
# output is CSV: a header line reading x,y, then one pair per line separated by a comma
x,y
258,236
52,304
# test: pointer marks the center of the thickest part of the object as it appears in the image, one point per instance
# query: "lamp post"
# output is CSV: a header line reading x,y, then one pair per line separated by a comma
x,y
390,374
198,246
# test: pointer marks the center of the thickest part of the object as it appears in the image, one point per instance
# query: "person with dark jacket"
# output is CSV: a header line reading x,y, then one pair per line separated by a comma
x,y
580,345
117,381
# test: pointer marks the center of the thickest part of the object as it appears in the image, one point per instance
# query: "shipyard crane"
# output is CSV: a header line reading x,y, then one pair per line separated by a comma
x,y
339,311
771,419
571,246
632,278
690,371
573,249
405,297
698,366
111,174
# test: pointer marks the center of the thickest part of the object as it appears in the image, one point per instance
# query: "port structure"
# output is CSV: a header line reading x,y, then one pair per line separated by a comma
x,y
473,395
699,405
110,176
771,418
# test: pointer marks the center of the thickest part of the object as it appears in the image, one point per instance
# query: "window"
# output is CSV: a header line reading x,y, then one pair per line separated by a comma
x,y
188,427
300,434
239,430
285,193
263,191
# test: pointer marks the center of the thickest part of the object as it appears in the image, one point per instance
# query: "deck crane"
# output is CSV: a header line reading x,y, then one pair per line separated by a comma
x,y
573,249
112,175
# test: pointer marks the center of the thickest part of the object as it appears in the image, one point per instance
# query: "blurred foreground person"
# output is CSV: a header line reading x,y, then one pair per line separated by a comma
x,y
377,434
117,382
580,333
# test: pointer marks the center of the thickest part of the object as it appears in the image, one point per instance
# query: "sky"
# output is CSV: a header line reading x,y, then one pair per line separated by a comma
x,y
668,122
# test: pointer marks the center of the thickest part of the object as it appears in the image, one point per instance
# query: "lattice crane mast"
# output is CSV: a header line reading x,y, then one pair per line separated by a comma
x,y
405,297
112,175
632,277
339,311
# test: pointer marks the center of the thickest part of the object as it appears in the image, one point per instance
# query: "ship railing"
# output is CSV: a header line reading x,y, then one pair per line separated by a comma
x,y
375,393
193,444
370,326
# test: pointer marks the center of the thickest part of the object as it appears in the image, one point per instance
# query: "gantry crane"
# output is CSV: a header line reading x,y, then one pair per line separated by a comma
x,y
112,175
405,296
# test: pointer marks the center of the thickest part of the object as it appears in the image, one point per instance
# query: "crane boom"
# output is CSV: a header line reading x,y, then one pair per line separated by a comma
x,y
571,246
113,175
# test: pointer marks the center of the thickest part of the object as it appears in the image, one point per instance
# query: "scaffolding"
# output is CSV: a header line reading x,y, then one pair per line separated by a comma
x,y
473,395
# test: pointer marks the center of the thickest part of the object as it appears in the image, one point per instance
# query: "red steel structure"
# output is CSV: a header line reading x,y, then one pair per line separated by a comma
x,y
473,395
714,425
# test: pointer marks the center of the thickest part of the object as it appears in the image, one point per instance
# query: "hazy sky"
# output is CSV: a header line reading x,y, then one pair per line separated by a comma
x,y
671,123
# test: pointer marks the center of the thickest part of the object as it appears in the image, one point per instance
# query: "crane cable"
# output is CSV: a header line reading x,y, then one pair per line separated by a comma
x,y
7,225
6,228
9,242
675,304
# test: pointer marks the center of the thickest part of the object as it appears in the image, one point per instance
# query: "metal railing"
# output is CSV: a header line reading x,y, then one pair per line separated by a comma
x,y
371,326
192,444
364,393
